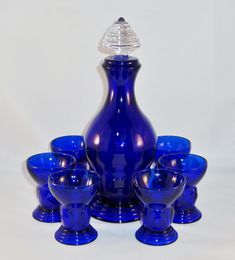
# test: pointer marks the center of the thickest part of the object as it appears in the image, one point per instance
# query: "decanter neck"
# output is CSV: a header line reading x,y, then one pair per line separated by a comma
x,y
121,72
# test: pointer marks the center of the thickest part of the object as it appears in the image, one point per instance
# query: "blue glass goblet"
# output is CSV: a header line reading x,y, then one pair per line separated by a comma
x,y
73,145
167,144
40,166
74,189
157,189
193,167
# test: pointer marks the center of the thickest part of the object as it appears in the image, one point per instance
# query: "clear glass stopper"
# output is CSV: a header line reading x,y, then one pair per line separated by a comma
x,y
120,38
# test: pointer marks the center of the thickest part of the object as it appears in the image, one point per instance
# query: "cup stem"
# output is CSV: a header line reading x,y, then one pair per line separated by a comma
x,y
46,199
185,209
187,200
75,229
156,229
157,217
48,209
75,217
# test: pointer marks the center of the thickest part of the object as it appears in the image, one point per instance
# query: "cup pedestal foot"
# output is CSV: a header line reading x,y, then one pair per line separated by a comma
x,y
187,216
75,238
46,215
156,238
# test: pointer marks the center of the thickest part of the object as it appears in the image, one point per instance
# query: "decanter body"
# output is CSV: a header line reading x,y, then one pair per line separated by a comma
x,y
120,141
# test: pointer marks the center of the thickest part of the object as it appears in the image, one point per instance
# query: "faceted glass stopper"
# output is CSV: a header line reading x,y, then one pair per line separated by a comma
x,y
120,38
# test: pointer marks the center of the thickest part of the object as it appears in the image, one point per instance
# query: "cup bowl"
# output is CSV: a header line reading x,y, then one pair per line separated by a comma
x,y
40,166
74,186
70,144
158,186
192,166
172,144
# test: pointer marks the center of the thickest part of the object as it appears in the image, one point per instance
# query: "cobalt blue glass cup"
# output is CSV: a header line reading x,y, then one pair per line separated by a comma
x,y
73,145
74,189
167,144
193,167
157,189
40,166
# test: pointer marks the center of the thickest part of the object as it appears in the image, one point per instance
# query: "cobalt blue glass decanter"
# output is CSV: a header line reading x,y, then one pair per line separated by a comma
x,y
120,140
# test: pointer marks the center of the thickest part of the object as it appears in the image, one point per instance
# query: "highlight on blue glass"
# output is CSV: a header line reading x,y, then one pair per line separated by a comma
x,y
73,145
40,166
74,189
157,189
193,167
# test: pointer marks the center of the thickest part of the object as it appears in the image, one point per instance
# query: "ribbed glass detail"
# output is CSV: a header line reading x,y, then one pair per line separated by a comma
x,y
120,38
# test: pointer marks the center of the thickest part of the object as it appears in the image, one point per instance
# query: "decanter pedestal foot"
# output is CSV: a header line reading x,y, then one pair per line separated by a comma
x,y
116,214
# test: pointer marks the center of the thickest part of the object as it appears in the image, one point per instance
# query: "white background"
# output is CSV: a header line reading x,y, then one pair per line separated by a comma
x,y
51,85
